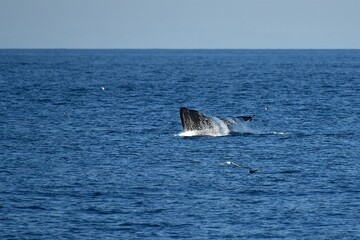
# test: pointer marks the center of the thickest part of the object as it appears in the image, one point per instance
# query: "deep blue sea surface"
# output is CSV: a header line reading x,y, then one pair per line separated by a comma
x,y
91,144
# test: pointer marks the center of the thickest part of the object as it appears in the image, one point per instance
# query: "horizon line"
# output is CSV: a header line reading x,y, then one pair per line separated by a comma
x,y
61,48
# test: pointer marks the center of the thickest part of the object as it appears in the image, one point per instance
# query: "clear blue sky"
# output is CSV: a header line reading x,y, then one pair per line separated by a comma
x,y
179,23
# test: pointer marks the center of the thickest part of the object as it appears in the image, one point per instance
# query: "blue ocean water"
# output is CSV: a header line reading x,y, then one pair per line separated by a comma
x,y
91,144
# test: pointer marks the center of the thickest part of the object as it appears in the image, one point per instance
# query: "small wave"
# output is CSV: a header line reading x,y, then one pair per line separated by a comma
x,y
32,207
279,133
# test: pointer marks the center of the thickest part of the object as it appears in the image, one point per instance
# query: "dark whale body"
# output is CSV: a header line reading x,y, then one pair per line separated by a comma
x,y
193,120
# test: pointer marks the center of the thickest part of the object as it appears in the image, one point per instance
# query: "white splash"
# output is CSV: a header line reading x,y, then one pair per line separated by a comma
x,y
239,126
219,128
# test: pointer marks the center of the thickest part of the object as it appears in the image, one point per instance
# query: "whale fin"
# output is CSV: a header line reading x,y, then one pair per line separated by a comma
x,y
192,120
